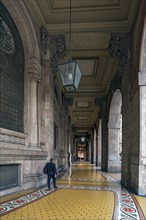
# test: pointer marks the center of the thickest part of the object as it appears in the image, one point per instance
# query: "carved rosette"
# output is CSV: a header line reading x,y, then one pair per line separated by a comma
x,y
11,139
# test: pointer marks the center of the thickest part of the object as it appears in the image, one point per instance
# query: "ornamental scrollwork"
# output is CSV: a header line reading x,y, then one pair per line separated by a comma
x,y
7,44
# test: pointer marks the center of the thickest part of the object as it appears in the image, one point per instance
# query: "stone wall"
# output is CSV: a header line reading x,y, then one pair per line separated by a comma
x,y
25,149
133,171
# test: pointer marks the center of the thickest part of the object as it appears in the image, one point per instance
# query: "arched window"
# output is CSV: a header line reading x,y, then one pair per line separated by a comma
x,y
11,74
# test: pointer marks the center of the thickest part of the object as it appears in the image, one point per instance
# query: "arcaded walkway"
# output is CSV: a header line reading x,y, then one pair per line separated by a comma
x,y
83,192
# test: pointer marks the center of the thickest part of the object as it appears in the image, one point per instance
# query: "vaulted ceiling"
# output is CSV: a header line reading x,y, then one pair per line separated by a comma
x,y
93,21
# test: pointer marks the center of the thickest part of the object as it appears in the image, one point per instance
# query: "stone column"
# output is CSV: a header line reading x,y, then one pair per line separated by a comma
x,y
119,47
142,150
114,163
92,146
33,110
103,114
89,150
99,143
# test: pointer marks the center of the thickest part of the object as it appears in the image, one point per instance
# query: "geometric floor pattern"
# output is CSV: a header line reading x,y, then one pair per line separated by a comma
x,y
83,192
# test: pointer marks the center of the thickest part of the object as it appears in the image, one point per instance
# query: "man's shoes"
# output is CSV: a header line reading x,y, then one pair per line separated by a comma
x,y
55,187
49,189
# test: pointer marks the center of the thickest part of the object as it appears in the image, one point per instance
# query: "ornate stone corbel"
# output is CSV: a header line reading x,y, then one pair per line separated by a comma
x,y
101,102
56,44
116,83
57,47
67,101
43,36
119,46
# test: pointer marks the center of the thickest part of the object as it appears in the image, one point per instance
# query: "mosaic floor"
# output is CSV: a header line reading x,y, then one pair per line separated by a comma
x,y
83,192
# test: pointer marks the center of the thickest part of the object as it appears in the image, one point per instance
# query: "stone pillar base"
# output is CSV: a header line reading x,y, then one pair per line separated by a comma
x,y
114,166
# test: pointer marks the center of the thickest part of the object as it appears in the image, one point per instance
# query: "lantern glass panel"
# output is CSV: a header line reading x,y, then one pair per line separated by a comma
x,y
77,76
67,72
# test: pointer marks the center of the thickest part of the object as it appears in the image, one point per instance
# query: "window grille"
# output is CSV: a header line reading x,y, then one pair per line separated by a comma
x,y
11,74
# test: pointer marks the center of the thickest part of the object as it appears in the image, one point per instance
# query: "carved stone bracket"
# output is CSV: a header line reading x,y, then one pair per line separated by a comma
x,y
56,44
101,101
43,38
58,50
119,46
116,83
67,101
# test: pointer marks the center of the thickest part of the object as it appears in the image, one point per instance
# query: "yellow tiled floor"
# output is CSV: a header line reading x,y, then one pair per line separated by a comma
x,y
142,201
83,193
68,204
87,174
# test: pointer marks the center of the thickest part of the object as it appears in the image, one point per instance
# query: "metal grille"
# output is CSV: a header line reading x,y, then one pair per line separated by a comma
x,y
11,103
8,176
11,79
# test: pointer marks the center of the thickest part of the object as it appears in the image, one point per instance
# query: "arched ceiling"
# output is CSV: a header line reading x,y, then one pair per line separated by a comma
x,y
93,21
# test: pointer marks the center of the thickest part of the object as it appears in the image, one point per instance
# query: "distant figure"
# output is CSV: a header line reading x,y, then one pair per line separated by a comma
x,y
51,172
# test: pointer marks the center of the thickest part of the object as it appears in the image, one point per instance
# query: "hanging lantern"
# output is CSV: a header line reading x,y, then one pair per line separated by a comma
x,y
69,71
70,75
82,139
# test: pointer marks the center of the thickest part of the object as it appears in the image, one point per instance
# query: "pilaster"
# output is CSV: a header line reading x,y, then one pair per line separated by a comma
x,y
34,76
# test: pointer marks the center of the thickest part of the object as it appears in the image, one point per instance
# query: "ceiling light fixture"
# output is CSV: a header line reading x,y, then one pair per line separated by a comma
x,y
69,71
82,139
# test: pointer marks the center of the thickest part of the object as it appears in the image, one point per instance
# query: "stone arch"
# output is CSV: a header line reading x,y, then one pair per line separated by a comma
x,y
25,27
114,133
142,67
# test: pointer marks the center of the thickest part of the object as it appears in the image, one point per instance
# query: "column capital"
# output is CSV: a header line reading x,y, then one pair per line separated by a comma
x,y
34,69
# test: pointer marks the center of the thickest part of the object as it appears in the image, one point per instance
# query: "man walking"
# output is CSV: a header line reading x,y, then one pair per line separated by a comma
x,y
51,172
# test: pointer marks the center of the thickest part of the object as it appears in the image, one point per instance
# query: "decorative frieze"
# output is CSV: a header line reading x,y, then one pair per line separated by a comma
x,y
11,139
